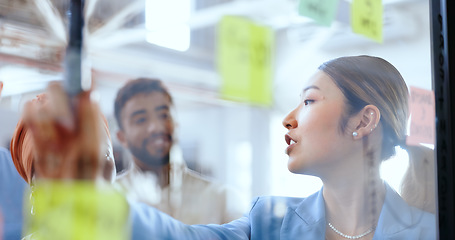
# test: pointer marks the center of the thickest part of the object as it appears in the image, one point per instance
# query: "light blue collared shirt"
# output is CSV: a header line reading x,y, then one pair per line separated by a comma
x,y
285,218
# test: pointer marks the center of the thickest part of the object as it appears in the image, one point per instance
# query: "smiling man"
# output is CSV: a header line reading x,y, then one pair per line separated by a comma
x,y
157,175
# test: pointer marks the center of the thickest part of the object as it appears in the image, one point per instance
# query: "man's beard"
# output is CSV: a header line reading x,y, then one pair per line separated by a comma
x,y
141,154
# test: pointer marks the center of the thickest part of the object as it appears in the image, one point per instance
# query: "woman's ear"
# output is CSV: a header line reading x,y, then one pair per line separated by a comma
x,y
367,121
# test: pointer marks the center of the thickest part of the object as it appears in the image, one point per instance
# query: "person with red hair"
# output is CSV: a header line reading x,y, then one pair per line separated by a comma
x,y
23,147
59,143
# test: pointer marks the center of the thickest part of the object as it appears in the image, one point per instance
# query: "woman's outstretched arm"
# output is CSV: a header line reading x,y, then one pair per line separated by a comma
x,y
149,223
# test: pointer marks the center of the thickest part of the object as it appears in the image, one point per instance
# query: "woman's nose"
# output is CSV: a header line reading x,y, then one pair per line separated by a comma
x,y
290,121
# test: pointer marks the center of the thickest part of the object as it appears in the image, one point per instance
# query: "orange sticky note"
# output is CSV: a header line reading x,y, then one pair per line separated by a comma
x,y
422,107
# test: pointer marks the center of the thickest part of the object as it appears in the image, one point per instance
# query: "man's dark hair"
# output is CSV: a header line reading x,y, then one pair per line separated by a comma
x,y
133,88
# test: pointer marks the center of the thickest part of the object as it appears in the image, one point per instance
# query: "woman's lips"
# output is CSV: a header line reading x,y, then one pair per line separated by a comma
x,y
289,148
291,142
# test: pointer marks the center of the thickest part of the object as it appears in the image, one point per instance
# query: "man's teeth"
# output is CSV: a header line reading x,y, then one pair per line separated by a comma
x,y
159,141
292,142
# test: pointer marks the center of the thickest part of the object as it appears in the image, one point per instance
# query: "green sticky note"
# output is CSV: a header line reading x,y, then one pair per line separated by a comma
x,y
76,211
245,60
366,18
322,11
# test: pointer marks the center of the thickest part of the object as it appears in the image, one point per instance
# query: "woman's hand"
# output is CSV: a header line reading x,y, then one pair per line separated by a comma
x,y
65,133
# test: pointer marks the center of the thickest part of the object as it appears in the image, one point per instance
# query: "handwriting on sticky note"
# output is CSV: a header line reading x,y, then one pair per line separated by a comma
x,y
366,18
245,60
422,107
322,11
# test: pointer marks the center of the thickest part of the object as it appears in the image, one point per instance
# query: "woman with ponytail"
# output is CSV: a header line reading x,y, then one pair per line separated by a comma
x,y
352,114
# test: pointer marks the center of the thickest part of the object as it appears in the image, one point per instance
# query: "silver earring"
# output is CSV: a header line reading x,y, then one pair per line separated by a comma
x,y
355,134
371,130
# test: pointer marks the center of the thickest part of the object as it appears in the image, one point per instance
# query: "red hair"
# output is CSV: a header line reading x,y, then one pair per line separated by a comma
x,y
22,151
23,148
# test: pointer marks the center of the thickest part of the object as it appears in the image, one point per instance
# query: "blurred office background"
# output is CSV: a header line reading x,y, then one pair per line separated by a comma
x,y
236,141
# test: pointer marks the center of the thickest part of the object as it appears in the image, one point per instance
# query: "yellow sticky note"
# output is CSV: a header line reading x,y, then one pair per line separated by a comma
x,y
245,60
76,211
233,57
423,120
366,18
261,64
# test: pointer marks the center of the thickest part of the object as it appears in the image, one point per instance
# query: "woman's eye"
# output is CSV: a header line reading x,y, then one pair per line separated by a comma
x,y
308,101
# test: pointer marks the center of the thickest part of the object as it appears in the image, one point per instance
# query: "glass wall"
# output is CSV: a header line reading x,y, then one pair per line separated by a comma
x,y
247,110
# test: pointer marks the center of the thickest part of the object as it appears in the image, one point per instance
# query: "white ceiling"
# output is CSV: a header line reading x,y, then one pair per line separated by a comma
x,y
33,40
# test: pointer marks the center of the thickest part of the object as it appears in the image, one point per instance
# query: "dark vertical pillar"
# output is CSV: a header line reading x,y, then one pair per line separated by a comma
x,y
443,59
73,58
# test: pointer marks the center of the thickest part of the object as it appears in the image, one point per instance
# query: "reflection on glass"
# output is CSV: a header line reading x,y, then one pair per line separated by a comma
x,y
238,144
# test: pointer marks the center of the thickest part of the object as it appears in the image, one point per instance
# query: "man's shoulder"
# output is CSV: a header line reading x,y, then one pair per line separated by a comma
x,y
194,181
197,176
